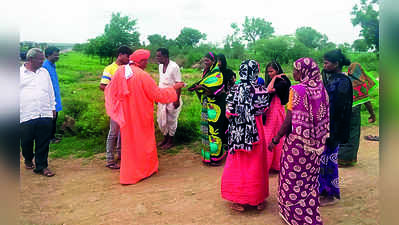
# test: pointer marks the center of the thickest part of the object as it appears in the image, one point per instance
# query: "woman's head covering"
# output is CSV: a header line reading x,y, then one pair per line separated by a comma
x,y
362,84
310,72
249,71
310,108
139,55
211,56
245,100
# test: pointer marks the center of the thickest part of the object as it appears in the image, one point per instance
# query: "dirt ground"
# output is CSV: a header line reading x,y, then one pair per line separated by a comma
x,y
184,191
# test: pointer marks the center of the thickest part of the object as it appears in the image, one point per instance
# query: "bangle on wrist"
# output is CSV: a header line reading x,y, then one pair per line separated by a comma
x,y
275,142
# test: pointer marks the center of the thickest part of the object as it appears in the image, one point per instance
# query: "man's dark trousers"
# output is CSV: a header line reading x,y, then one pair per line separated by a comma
x,y
37,131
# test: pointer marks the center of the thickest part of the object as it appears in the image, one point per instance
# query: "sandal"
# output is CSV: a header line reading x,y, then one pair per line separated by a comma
x,y
46,172
215,163
29,166
372,138
237,207
112,166
261,206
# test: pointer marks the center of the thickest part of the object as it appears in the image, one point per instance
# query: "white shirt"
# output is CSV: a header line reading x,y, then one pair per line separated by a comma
x,y
36,98
171,76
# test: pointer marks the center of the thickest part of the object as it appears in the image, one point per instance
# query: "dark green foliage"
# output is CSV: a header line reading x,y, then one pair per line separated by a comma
x,y
367,17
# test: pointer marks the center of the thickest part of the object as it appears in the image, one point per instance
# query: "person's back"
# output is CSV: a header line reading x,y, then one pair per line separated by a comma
x,y
130,99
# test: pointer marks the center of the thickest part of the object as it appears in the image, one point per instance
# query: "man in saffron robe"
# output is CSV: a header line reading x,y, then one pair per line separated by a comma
x,y
129,100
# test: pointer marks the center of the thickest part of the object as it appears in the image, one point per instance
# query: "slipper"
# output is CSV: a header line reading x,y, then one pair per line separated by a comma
x,y
372,138
29,166
215,163
112,166
46,172
237,207
261,206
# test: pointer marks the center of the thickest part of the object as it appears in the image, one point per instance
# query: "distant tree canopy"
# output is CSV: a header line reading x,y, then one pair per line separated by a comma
x,y
254,38
256,28
120,31
360,45
189,37
367,18
309,37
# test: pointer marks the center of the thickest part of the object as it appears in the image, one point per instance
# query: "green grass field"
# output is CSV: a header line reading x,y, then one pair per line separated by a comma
x,y
79,77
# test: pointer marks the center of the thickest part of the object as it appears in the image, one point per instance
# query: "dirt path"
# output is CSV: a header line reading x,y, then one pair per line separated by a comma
x,y
183,192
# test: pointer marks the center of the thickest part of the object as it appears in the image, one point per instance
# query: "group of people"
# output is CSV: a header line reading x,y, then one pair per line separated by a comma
x,y
40,102
300,131
247,122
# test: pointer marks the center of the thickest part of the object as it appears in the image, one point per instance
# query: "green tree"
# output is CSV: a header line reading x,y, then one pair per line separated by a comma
x,y
298,50
273,49
256,28
120,31
310,37
367,18
233,46
157,40
189,37
360,45
345,47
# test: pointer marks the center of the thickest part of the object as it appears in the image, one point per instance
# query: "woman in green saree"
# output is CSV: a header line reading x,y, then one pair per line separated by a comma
x,y
211,92
362,85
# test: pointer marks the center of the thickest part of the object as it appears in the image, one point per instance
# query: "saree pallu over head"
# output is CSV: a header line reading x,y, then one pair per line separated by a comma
x,y
298,183
245,100
310,109
362,84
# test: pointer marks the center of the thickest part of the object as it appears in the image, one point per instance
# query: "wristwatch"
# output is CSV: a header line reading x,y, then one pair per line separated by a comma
x,y
275,142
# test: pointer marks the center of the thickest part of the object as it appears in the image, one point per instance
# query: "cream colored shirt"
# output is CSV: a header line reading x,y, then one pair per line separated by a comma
x,y
36,99
171,76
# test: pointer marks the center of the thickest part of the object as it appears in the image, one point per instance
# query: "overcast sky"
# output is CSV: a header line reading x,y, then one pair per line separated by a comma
x,y
75,21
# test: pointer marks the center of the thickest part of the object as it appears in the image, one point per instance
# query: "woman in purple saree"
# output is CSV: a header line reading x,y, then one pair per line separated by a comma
x,y
306,128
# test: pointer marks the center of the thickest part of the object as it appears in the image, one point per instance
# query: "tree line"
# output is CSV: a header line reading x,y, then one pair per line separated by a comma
x,y
253,38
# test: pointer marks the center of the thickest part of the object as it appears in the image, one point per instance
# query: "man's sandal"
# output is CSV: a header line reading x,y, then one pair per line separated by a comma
x,y
112,166
46,172
372,138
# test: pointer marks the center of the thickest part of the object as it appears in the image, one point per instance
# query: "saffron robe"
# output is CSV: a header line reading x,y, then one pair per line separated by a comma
x,y
129,100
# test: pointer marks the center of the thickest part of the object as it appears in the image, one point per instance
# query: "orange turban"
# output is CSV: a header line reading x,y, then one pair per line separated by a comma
x,y
139,55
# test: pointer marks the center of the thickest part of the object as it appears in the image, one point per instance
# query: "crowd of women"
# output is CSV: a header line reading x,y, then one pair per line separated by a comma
x,y
301,131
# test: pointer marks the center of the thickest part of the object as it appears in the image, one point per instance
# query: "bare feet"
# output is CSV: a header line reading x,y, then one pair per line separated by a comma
x,y
237,207
169,143
165,140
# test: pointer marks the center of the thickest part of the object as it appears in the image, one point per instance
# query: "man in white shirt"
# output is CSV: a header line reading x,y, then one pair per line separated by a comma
x,y
37,109
167,115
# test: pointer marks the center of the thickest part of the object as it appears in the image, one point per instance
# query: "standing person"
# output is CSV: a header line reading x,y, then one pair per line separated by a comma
x,y
228,74
168,114
129,100
306,127
245,179
279,86
53,54
114,136
362,85
339,88
211,91
37,110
